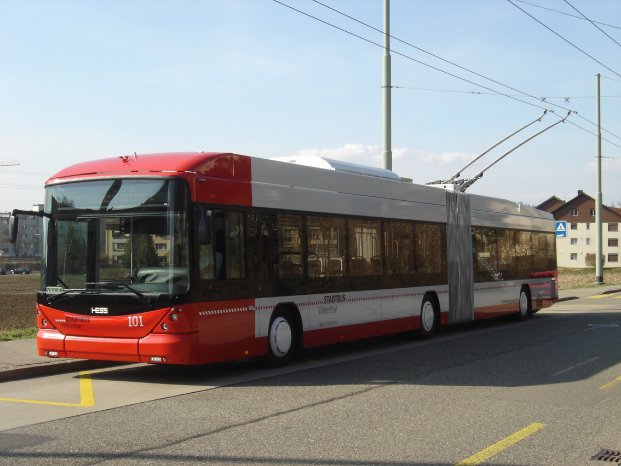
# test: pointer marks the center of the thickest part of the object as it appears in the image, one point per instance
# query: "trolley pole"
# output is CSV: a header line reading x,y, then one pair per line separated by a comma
x,y
386,90
599,259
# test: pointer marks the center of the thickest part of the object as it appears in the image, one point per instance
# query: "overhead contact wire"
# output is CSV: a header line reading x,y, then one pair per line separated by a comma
x,y
563,38
493,92
595,25
408,57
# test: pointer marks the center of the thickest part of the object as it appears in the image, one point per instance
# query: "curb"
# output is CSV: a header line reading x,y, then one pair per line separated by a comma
x,y
52,368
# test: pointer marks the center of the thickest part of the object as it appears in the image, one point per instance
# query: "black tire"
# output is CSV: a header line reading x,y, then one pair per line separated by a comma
x,y
525,309
429,316
282,339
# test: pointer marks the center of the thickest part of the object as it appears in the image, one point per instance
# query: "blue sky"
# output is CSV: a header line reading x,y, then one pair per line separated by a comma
x,y
85,79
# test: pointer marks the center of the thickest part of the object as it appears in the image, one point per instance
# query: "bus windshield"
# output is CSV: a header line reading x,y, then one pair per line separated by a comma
x,y
121,235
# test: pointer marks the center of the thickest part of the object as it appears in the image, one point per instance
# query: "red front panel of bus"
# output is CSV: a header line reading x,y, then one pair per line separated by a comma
x,y
197,333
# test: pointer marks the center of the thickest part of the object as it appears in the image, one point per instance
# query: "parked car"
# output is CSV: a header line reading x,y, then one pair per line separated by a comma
x,y
21,271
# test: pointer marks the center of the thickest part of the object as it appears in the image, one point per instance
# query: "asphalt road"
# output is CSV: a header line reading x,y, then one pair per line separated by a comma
x,y
546,391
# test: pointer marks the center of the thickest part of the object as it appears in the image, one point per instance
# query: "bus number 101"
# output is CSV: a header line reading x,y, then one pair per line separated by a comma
x,y
135,321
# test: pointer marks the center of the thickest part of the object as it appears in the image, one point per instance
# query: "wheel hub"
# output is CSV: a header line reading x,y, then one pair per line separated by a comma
x,y
280,337
427,316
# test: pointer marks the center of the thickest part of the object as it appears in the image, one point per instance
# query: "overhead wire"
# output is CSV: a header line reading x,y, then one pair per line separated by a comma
x,y
611,79
453,64
566,14
458,91
407,56
423,50
493,91
563,38
566,99
595,25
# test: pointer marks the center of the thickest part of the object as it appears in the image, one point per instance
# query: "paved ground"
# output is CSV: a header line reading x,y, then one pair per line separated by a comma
x,y
19,358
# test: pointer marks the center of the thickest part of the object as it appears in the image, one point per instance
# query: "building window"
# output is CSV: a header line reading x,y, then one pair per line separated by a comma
x,y
613,257
613,227
574,226
573,212
592,212
588,226
588,241
613,242
574,241
573,256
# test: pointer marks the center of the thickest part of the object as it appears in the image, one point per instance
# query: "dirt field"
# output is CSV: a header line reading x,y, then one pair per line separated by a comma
x,y
17,294
17,300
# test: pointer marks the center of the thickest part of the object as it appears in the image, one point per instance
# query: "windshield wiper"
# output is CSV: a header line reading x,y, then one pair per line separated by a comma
x,y
64,295
112,285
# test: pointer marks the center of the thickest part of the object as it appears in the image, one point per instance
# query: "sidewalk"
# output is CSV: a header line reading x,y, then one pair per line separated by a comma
x,y
578,293
19,358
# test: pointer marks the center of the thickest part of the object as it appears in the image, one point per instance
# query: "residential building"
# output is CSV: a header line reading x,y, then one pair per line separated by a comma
x,y
578,248
29,235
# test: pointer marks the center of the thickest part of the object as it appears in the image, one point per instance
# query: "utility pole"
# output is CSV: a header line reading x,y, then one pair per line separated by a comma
x,y
386,90
599,270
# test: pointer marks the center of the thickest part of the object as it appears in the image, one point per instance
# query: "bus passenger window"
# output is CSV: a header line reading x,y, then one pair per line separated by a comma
x,y
398,248
364,248
232,247
326,246
206,263
205,243
224,256
290,246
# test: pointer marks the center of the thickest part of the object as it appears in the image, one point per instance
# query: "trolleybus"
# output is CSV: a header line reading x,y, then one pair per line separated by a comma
x,y
195,258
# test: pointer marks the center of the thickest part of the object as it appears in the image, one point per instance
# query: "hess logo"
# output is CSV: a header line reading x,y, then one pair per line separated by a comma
x,y
99,310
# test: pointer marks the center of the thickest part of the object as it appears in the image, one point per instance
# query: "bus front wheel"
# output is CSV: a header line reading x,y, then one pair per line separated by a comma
x,y
281,339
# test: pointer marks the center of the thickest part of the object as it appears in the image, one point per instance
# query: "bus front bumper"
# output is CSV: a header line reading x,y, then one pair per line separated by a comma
x,y
154,349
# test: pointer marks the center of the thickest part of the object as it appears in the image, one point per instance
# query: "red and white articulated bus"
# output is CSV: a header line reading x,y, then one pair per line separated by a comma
x,y
194,258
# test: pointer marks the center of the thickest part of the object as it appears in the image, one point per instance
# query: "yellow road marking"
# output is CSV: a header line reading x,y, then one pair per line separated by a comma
x,y
502,445
87,397
609,385
598,296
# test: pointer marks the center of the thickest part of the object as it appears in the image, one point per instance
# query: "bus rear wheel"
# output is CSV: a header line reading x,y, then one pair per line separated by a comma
x,y
282,339
525,309
428,318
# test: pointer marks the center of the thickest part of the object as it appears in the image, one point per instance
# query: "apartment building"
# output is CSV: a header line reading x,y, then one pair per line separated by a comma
x,y
29,236
577,249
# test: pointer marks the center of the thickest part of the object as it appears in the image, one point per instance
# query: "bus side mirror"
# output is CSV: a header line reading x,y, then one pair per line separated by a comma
x,y
13,228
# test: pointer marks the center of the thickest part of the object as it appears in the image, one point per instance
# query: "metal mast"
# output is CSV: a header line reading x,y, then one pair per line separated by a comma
x,y
386,90
599,272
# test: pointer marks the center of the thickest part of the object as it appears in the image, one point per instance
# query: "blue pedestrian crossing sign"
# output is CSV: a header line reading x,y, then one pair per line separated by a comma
x,y
561,229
